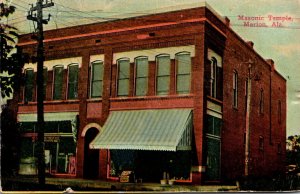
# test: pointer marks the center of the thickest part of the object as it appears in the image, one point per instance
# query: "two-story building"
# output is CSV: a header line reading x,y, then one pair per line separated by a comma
x,y
163,95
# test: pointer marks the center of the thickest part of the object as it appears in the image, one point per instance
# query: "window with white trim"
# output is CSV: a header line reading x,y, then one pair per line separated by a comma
x,y
141,76
29,85
123,77
163,65
183,72
58,75
97,70
73,81
45,75
213,77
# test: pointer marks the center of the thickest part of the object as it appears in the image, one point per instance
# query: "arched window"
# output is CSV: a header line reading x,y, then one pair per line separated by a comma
x,y
29,84
58,75
213,72
279,112
45,75
123,76
261,143
141,76
235,89
72,81
183,72
163,68
96,87
213,77
261,101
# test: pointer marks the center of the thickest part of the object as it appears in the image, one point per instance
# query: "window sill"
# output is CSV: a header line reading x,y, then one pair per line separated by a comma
x,y
151,97
214,99
235,108
94,100
50,102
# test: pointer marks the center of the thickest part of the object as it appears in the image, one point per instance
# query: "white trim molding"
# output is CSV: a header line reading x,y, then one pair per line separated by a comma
x,y
94,58
212,54
51,63
152,53
88,126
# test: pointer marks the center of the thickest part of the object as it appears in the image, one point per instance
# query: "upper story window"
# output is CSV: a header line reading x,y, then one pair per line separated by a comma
x,y
279,148
246,94
96,79
29,85
213,77
279,112
73,81
183,73
261,101
58,75
123,77
45,75
235,89
163,65
141,76
261,143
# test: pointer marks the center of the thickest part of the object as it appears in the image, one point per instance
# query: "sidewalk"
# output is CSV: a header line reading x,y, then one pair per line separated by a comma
x,y
59,184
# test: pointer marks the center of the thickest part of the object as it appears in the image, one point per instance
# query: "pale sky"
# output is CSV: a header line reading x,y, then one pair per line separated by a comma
x,y
282,44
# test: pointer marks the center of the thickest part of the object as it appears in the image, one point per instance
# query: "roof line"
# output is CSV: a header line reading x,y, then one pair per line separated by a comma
x,y
117,30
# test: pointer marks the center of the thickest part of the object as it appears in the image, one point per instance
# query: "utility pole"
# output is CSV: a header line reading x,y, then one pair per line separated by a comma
x,y
40,146
248,110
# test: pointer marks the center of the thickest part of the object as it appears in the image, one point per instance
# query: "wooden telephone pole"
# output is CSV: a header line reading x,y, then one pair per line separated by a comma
x,y
248,110
40,146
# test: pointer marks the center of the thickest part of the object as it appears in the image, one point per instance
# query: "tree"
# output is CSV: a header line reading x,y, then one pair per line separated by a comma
x,y
11,58
11,64
293,150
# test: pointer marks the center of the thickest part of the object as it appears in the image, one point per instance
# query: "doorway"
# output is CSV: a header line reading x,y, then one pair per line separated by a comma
x,y
91,156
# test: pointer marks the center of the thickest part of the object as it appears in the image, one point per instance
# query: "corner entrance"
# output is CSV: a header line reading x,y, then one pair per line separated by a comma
x,y
91,156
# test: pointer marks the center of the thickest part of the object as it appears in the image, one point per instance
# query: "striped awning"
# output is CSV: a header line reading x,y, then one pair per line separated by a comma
x,y
161,130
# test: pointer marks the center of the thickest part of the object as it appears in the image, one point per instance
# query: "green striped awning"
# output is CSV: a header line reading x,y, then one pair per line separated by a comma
x,y
161,130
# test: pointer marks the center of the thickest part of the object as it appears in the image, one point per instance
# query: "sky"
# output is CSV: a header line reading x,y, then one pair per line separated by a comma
x,y
278,39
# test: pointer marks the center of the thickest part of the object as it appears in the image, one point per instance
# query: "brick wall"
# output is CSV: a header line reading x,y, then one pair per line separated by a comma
x,y
173,29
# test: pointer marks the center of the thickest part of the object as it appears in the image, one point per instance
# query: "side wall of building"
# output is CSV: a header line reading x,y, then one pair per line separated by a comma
x,y
264,158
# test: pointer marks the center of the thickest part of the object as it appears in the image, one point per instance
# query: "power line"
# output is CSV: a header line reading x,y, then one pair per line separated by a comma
x,y
23,20
20,6
75,10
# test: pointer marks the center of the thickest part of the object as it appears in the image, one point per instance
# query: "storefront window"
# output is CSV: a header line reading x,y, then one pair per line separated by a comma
x,y
151,166
121,160
28,165
60,148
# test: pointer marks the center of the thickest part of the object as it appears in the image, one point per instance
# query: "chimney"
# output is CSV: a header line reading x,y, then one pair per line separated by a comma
x,y
250,43
227,21
271,63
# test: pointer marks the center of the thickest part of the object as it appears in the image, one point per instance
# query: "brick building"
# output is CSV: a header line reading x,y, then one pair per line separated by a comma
x,y
160,95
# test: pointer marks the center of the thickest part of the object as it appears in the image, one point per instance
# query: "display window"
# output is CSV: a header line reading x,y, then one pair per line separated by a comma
x,y
60,148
